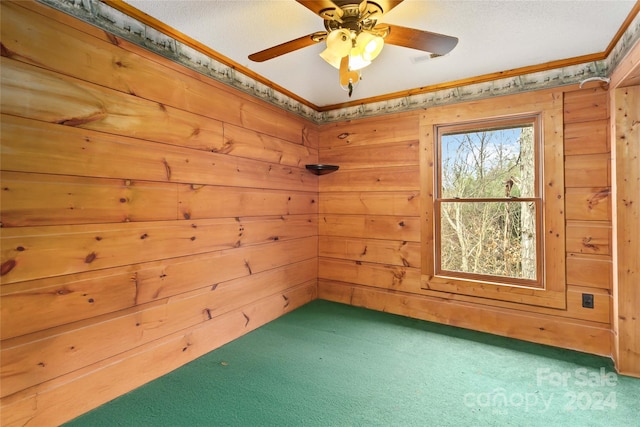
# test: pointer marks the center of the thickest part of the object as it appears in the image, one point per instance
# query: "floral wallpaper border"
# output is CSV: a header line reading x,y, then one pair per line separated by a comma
x,y
112,20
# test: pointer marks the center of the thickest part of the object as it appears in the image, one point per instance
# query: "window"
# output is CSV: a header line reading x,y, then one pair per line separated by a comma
x,y
492,198
487,204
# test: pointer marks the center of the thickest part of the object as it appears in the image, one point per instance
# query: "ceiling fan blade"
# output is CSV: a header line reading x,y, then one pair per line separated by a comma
x,y
387,5
317,6
419,39
287,47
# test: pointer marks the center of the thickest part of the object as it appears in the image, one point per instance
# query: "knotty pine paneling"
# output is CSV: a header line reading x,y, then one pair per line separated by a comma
x,y
589,237
586,105
117,64
33,252
590,137
375,155
65,299
56,401
29,360
206,201
595,271
390,252
588,203
149,215
383,276
588,170
92,200
244,142
588,198
56,98
34,146
368,132
627,160
370,226
371,203
374,179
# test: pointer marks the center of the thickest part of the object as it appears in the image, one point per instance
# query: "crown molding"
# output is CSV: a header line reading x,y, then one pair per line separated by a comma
x,y
142,30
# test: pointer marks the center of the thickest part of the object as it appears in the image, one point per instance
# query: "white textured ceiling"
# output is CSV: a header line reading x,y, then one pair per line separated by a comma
x,y
494,36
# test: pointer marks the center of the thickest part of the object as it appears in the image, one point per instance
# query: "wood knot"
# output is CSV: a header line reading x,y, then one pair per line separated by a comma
x,y
246,318
7,266
4,51
586,242
112,38
90,258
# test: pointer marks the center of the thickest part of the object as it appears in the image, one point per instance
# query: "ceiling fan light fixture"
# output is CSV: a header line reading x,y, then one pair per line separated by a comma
x,y
339,41
357,62
368,45
330,58
339,45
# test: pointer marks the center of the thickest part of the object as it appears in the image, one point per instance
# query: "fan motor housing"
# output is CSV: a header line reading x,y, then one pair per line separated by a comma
x,y
351,17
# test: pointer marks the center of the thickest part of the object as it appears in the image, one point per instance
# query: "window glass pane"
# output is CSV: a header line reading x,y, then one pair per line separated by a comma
x,y
490,238
488,163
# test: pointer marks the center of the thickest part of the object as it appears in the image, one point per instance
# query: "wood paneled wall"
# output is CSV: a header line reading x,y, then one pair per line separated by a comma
x,y
624,101
627,280
149,215
370,221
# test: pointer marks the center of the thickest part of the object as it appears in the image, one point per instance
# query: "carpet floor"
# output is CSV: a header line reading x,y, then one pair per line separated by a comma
x,y
329,364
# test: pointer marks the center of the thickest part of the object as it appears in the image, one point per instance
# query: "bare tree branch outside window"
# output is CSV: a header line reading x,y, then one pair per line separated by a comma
x,y
487,200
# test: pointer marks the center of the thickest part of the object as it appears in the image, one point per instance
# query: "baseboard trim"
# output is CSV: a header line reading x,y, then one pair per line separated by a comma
x,y
584,336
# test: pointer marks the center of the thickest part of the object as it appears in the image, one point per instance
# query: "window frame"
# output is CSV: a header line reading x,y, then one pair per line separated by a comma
x,y
480,126
547,105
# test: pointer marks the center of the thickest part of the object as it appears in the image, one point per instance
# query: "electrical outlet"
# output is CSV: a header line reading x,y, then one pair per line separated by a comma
x,y
587,300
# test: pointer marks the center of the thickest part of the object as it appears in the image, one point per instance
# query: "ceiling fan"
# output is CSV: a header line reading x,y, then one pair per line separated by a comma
x,y
354,38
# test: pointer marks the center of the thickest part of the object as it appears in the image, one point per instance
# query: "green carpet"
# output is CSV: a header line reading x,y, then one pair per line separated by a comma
x,y
328,364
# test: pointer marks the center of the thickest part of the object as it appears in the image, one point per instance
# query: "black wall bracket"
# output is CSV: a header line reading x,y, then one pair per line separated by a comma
x,y
320,169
